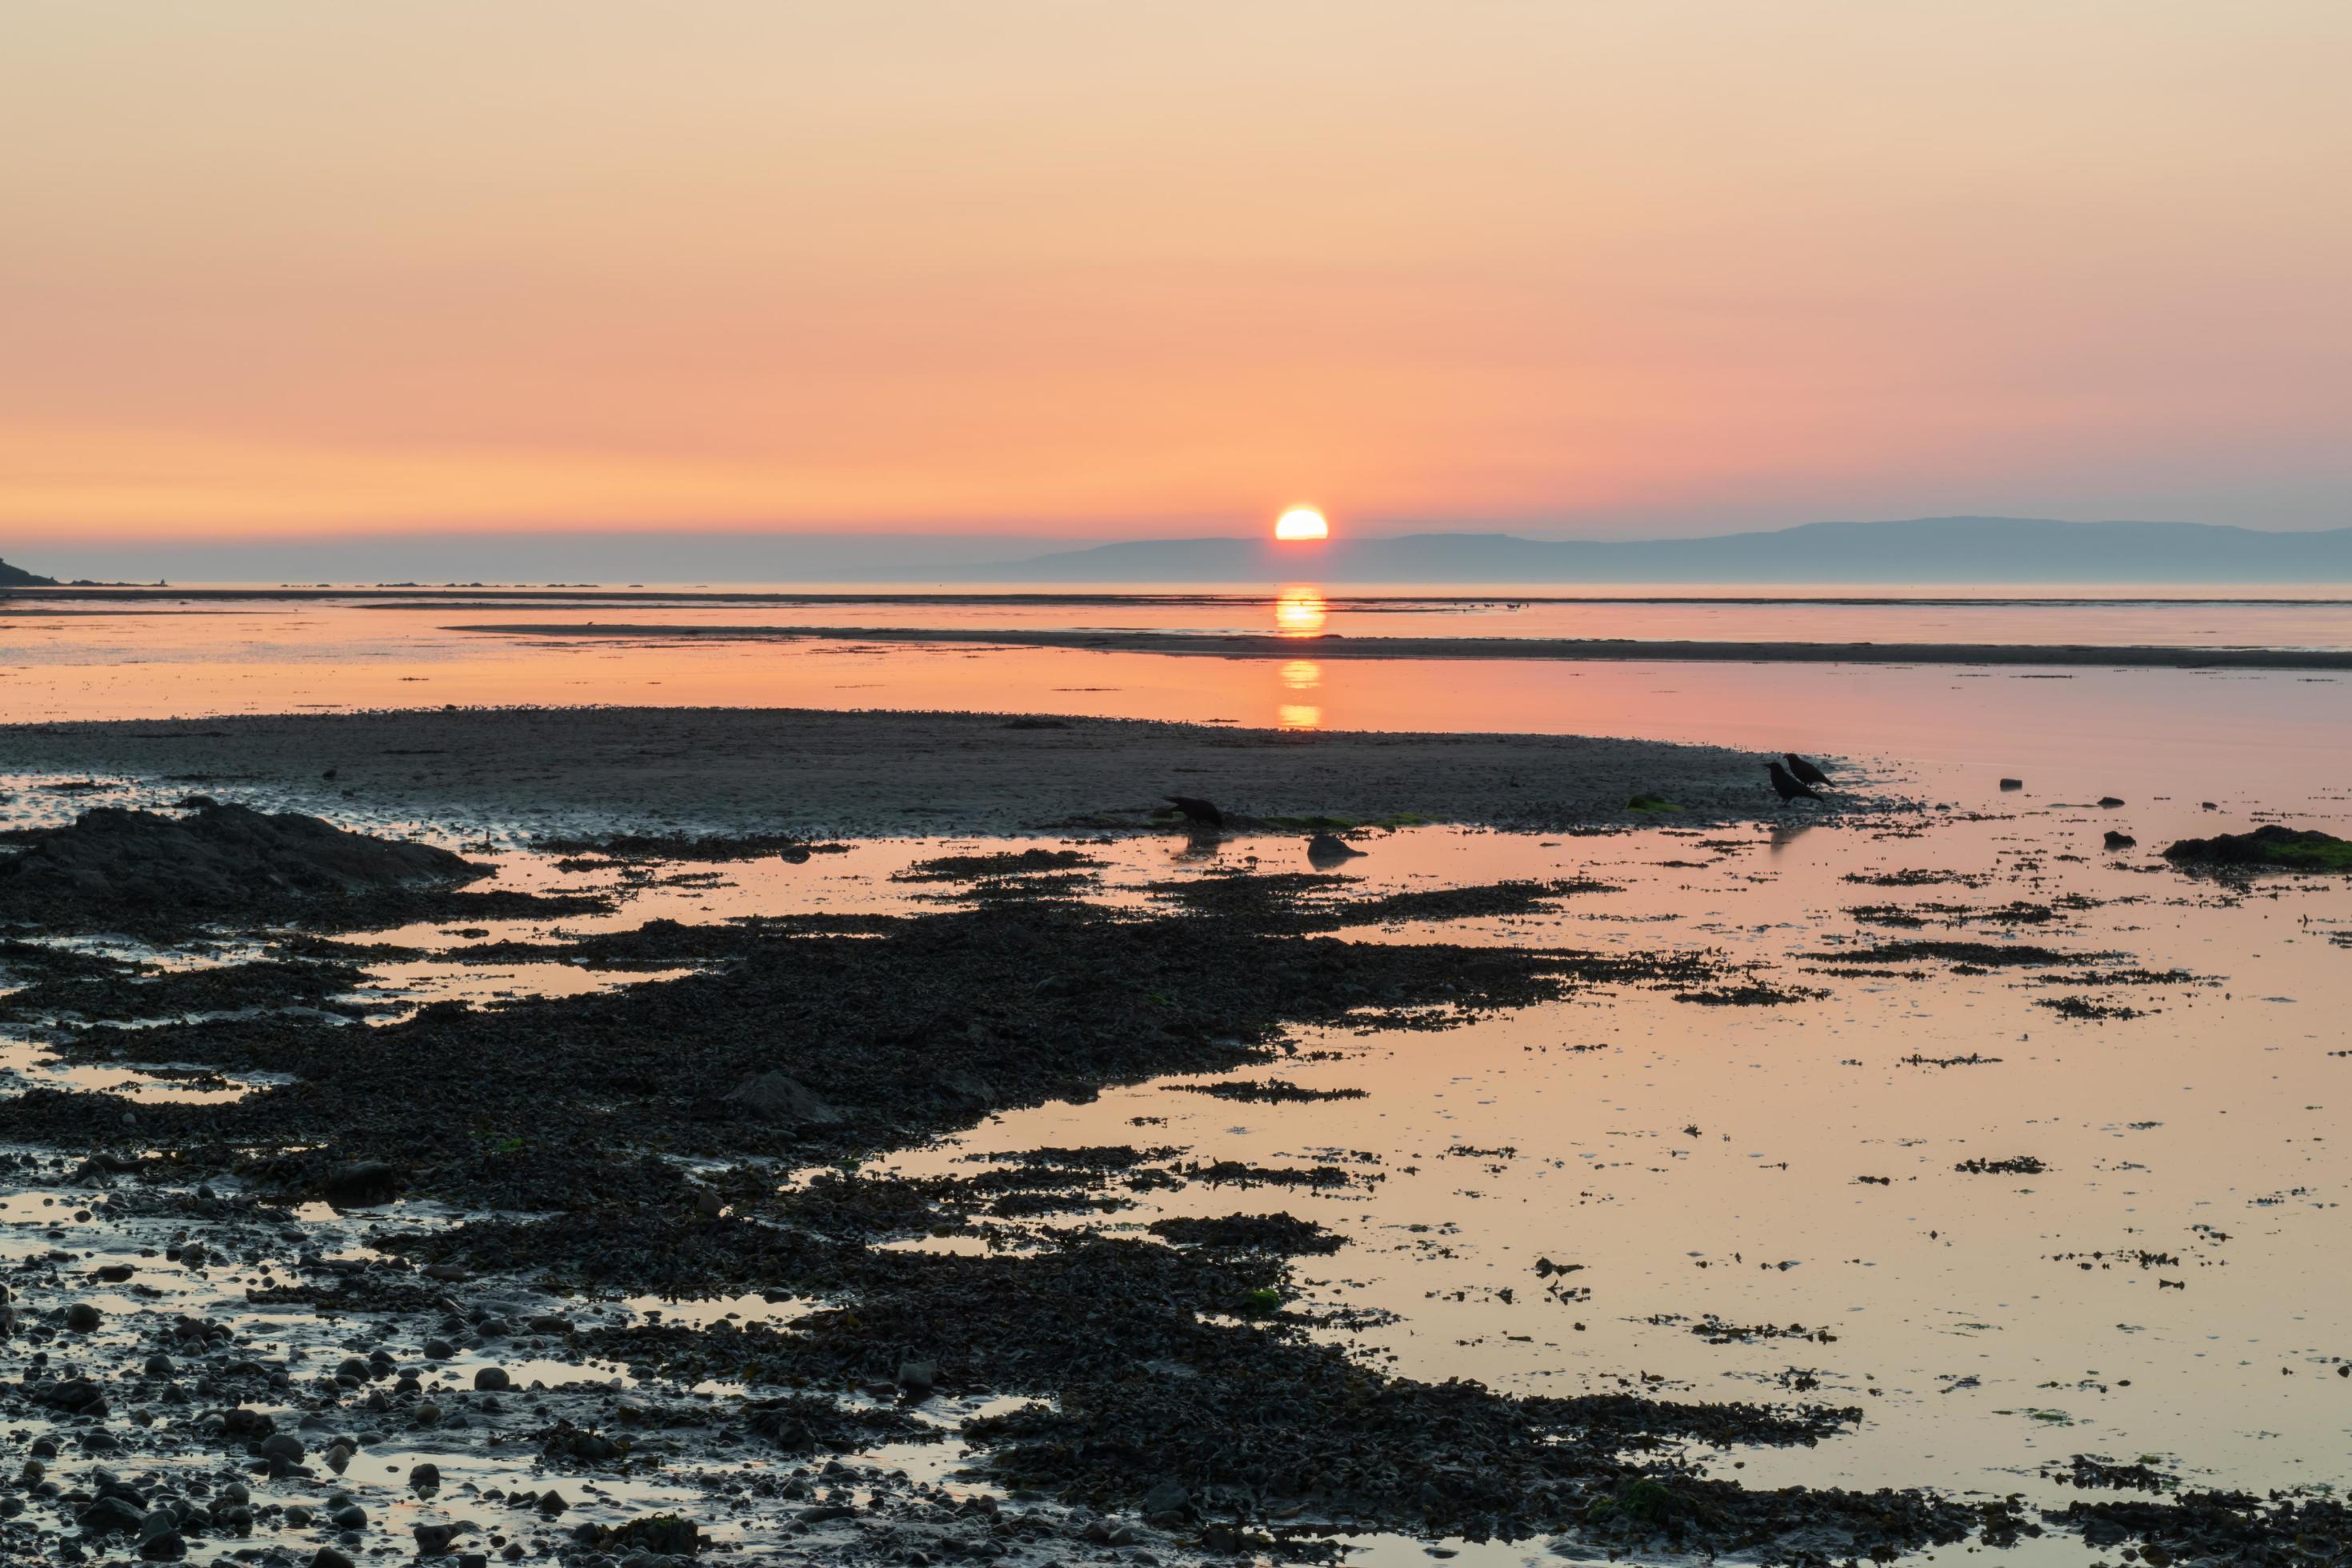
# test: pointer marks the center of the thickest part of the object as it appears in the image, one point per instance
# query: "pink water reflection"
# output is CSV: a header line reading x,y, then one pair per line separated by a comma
x,y
2212,730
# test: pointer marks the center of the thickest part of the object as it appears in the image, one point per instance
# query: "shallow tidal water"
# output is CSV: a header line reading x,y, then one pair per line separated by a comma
x,y
1761,1203
2168,1288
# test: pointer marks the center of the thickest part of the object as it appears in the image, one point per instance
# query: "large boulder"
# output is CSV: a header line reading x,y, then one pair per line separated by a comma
x,y
219,859
773,1097
2268,847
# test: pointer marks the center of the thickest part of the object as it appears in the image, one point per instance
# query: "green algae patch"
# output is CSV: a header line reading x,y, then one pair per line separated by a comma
x,y
2267,849
1652,805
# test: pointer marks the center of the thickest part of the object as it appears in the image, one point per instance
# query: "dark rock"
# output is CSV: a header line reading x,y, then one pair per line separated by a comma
x,y
2268,847
1270,1233
1168,1500
2120,840
239,1422
110,1515
158,1537
491,1379
773,1097
77,1395
366,1184
433,1540
2012,784
1329,850
83,1318
222,859
662,1532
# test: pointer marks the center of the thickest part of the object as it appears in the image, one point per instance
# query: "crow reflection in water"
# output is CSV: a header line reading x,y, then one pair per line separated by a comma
x,y
1789,785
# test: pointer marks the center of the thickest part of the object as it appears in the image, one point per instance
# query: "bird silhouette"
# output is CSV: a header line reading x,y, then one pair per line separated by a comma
x,y
1811,772
1198,812
1789,785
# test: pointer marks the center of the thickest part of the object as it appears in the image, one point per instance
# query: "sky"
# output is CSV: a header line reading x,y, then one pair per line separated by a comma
x,y
290,271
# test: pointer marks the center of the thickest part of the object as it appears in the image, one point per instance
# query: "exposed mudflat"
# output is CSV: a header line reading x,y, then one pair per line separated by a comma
x,y
816,772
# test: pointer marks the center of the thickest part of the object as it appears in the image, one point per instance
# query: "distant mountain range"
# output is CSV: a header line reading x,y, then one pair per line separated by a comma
x,y
1913,551
18,577
1925,551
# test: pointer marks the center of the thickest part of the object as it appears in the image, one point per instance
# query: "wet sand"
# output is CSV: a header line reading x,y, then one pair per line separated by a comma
x,y
881,774
1333,646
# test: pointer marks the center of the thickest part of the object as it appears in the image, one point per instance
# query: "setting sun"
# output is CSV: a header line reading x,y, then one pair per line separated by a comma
x,y
1302,522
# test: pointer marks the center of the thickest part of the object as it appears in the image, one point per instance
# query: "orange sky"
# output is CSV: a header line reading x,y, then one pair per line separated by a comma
x,y
1087,268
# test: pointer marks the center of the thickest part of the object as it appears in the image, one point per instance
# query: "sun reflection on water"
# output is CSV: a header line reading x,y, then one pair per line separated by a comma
x,y
1300,612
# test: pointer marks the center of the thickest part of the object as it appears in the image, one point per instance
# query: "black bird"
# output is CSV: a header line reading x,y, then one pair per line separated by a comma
x,y
1789,785
1808,772
1198,812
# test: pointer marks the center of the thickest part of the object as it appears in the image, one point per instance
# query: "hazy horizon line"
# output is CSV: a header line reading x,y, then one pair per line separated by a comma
x,y
1344,533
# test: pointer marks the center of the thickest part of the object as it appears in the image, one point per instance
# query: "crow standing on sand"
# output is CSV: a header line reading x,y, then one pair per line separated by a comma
x,y
1789,785
1811,772
1198,812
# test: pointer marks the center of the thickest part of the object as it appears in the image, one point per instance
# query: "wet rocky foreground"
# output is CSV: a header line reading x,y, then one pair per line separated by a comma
x,y
301,1270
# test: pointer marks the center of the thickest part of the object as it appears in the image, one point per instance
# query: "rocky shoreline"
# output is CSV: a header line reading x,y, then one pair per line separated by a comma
x,y
389,1286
